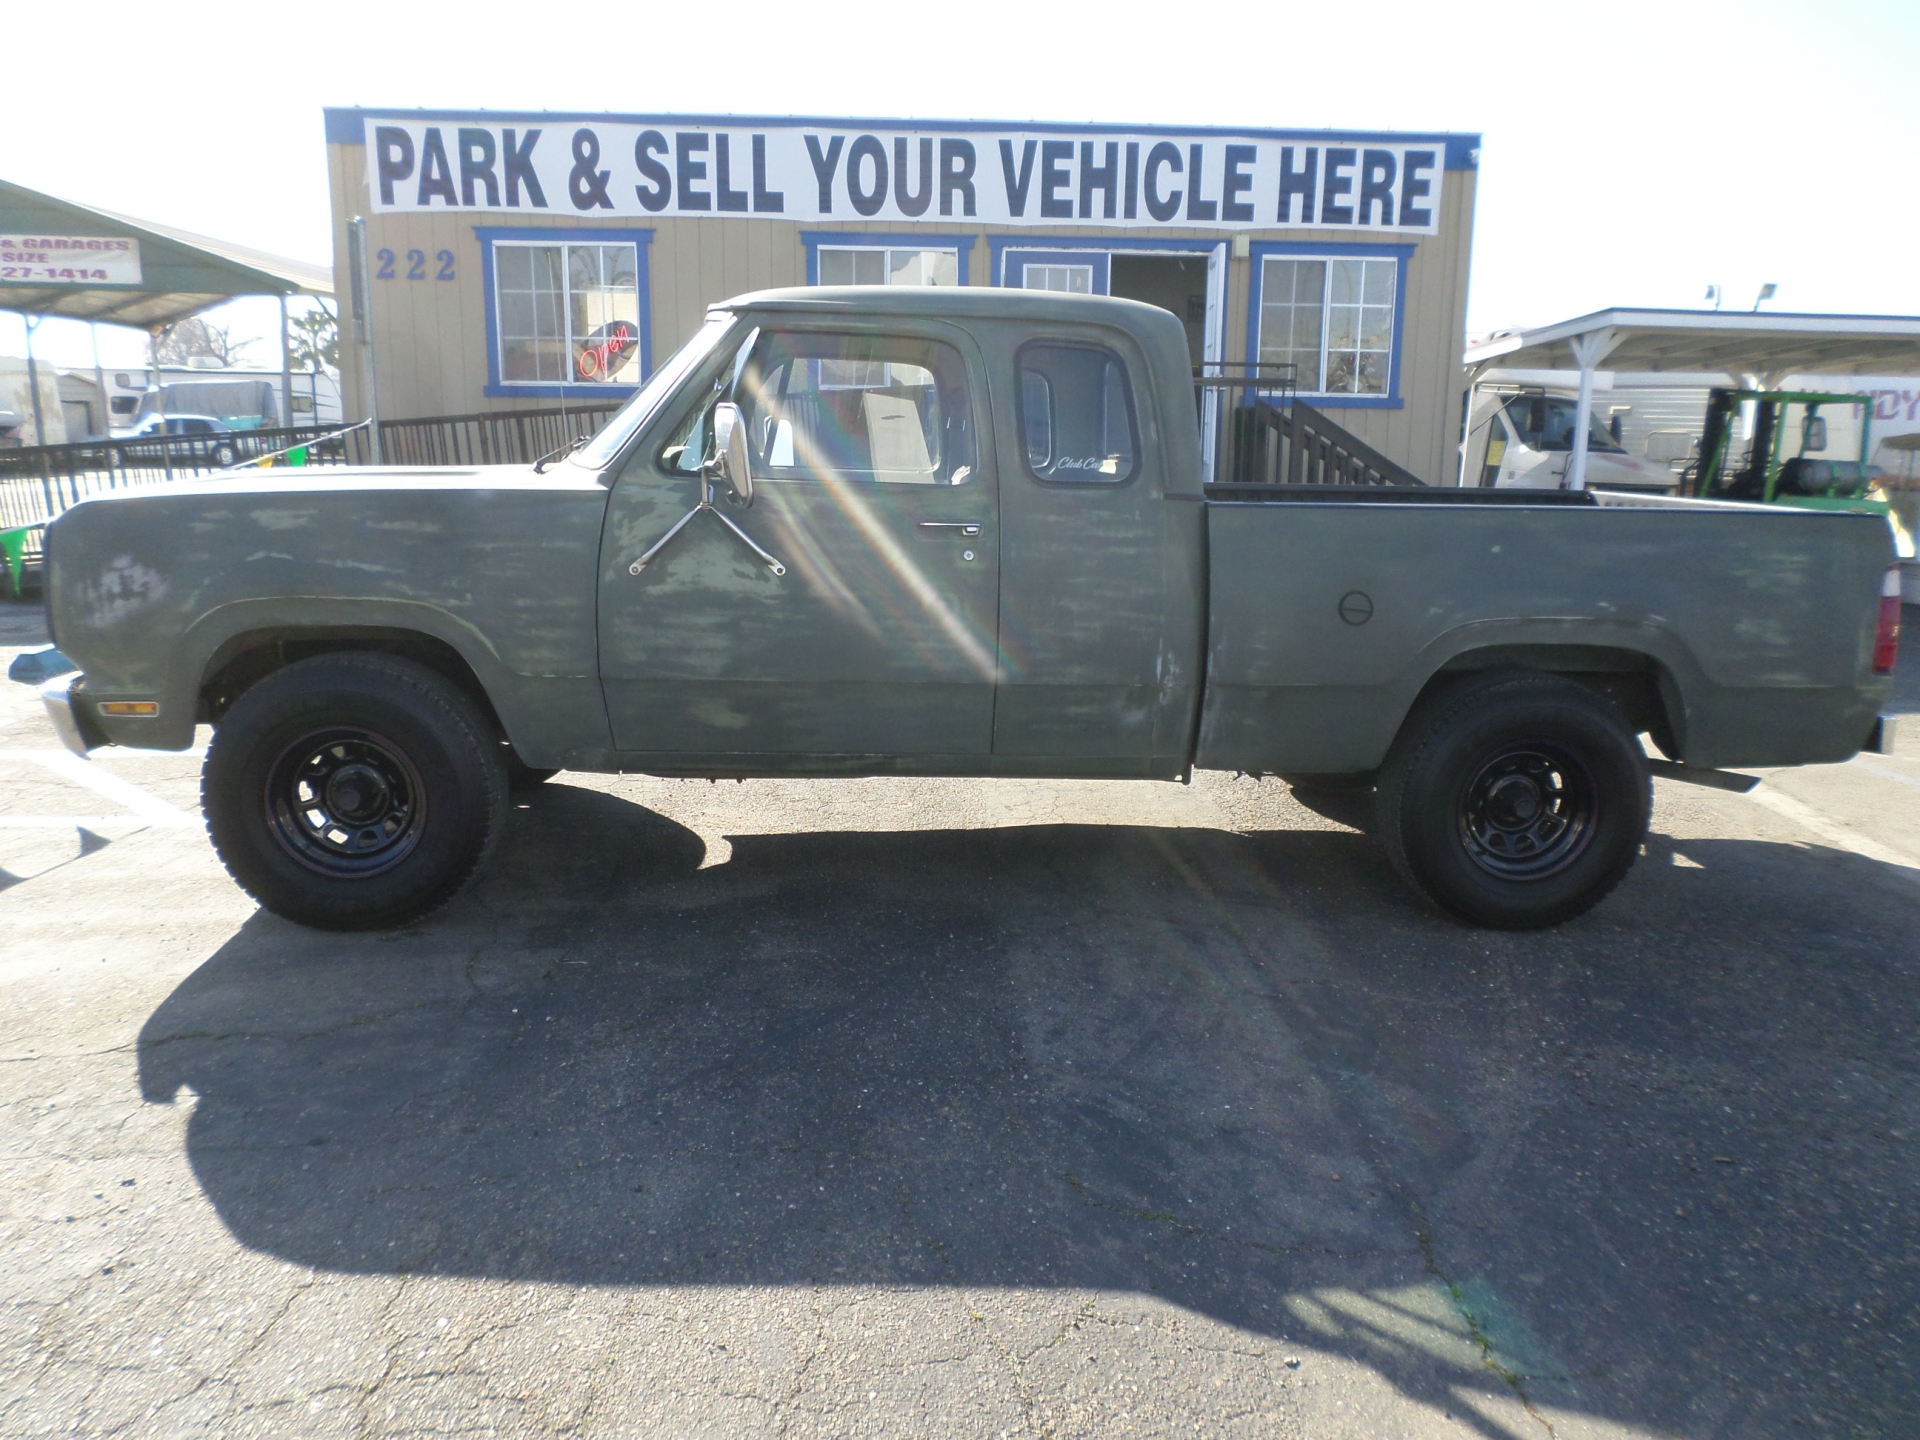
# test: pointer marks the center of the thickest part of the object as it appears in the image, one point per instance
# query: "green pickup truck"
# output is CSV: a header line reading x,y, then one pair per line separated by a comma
x,y
948,532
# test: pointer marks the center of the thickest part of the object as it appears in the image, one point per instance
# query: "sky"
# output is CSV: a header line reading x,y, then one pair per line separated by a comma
x,y
1632,154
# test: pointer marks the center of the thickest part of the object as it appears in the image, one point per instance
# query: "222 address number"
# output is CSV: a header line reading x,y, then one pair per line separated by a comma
x,y
416,265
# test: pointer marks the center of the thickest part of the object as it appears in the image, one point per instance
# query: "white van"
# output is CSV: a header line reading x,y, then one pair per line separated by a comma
x,y
1524,441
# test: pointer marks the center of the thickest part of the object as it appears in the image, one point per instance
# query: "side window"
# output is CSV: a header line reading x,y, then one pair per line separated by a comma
x,y
874,409
1528,416
1076,415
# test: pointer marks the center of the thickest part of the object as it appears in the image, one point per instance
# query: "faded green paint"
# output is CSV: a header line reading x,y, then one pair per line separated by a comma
x,y
1075,642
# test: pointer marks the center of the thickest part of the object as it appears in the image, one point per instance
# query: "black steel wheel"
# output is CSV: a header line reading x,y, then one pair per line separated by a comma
x,y
353,791
346,801
1515,801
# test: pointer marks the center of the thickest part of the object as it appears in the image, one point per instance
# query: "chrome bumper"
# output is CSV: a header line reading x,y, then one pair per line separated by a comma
x,y
70,722
1880,738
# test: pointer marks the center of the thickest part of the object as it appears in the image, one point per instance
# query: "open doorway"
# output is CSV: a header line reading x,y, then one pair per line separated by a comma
x,y
1173,282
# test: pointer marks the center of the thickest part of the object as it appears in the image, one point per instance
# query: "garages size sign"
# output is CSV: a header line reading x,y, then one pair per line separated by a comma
x,y
814,172
69,260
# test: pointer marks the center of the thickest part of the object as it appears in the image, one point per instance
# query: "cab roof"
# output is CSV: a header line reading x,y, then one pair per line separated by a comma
x,y
979,302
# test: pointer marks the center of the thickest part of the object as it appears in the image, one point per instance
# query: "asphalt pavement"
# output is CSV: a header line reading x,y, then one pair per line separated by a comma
x,y
969,1108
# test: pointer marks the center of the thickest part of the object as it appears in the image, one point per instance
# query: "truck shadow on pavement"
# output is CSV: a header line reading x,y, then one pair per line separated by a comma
x,y
1655,1165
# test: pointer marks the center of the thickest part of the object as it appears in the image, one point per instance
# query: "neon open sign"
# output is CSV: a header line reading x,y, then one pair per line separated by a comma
x,y
606,349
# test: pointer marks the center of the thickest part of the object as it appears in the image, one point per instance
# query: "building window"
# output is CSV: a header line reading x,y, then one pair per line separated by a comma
x,y
859,265
1332,319
567,311
1073,279
567,314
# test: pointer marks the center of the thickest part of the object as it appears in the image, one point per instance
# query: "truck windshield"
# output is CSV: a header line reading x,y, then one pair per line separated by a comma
x,y
1545,422
613,436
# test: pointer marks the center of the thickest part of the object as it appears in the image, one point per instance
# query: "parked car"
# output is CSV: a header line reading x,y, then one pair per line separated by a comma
x,y
950,532
200,431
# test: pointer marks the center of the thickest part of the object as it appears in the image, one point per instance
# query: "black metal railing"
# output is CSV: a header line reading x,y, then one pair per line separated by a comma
x,y
1264,434
39,482
515,437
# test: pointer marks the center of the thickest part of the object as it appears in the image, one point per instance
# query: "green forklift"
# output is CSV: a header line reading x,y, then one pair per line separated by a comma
x,y
1770,474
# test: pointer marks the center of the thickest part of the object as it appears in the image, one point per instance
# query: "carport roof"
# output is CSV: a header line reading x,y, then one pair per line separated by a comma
x,y
1712,340
180,272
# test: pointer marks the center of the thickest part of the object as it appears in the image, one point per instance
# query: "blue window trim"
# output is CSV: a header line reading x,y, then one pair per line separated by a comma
x,y
641,240
814,239
1261,249
998,245
1021,256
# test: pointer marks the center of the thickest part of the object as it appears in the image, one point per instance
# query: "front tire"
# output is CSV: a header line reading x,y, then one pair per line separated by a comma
x,y
353,792
1515,802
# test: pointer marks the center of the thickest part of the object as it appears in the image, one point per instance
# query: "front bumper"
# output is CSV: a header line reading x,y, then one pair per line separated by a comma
x,y
72,721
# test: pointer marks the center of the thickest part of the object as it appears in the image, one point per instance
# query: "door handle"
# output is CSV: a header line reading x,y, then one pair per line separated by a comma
x,y
968,528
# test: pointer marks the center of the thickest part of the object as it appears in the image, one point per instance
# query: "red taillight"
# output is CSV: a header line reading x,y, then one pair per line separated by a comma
x,y
1886,635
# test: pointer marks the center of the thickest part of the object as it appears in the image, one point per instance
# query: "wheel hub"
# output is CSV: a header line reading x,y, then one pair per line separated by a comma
x,y
1513,801
358,794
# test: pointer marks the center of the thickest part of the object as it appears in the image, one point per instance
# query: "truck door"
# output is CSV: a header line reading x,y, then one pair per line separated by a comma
x,y
872,495
1103,584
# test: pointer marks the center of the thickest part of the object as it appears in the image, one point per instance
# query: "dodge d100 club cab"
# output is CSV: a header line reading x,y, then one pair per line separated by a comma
x,y
948,532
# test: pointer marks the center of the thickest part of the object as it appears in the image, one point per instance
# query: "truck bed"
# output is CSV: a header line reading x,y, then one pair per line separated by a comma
x,y
1332,607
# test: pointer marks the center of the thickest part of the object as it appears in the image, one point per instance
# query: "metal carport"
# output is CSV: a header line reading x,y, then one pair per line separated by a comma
x,y
1760,350
173,273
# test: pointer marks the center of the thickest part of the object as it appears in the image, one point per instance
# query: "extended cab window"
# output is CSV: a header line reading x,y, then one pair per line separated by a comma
x,y
1076,415
876,409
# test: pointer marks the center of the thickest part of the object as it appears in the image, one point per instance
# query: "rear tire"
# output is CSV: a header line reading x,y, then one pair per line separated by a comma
x,y
353,791
1514,802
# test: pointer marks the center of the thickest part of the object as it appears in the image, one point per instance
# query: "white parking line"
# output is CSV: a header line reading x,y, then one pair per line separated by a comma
x,y
150,809
1885,773
1831,831
112,826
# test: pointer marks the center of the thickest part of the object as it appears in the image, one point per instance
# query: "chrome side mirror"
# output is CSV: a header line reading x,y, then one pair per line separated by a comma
x,y
1813,433
730,460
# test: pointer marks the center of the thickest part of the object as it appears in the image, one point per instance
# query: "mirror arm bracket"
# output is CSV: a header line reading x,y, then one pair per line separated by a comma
x,y
706,504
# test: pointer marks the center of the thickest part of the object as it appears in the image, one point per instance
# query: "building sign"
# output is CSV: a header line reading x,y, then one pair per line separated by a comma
x,y
69,260
810,172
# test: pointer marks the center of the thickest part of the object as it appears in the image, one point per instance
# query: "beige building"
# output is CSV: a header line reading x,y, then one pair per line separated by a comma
x,y
530,261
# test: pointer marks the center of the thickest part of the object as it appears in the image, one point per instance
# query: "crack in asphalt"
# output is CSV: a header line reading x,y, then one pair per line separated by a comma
x,y
1484,1342
1017,1363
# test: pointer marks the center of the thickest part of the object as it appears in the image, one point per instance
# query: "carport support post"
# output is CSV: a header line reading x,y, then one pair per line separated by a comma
x,y
100,384
286,368
33,381
1588,351
362,296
